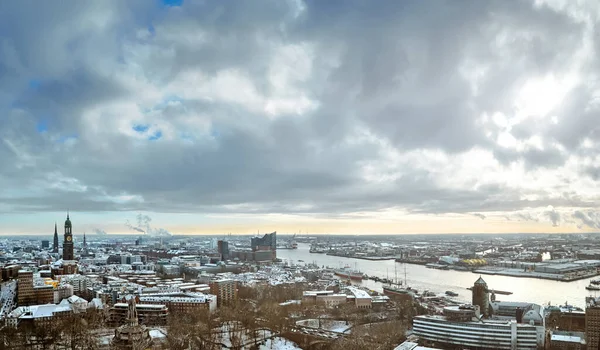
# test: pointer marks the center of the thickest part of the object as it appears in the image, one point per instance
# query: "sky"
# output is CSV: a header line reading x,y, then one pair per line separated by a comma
x,y
353,117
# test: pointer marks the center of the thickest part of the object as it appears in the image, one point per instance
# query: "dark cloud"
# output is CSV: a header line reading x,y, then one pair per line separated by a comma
x,y
315,107
590,218
553,216
479,215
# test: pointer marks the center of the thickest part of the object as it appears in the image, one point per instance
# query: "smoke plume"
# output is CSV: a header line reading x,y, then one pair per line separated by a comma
x,y
143,226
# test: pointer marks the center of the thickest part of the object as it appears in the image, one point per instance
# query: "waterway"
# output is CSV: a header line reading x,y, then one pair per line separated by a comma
x,y
439,281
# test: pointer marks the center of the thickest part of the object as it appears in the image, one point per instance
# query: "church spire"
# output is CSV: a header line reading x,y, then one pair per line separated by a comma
x,y
55,246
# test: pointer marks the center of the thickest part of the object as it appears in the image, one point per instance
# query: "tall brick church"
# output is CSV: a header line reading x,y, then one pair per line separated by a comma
x,y
68,241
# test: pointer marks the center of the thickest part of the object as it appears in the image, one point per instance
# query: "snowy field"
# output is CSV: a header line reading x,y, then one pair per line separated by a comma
x,y
326,325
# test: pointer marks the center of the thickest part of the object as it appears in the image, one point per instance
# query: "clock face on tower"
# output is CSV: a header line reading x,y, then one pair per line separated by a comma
x,y
68,238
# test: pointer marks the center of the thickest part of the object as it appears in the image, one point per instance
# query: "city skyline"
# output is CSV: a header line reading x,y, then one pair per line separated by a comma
x,y
349,117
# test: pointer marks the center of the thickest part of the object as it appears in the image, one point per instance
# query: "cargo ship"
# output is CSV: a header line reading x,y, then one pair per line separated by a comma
x,y
349,274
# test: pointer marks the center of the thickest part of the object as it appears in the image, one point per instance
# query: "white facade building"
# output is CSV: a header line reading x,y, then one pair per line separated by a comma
x,y
485,334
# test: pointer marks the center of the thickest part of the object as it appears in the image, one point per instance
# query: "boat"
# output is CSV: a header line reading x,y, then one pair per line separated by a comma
x,y
592,287
451,293
350,274
396,288
596,281
437,266
428,294
317,250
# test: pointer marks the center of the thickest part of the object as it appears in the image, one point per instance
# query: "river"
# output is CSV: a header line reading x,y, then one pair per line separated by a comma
x,y
533,290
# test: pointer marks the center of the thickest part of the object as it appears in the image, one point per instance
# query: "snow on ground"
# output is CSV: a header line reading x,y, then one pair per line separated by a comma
x,y
157,333
326,325
279,344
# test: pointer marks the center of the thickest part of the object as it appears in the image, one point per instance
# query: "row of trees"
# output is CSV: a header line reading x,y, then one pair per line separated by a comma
x,y
64,331
256,316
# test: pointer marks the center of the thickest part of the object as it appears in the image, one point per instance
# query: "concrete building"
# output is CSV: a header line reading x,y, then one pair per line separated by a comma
x,y
361,299
10,272
148,314
223,249
46,313
179,303
481,334
567,340
326,297
44,294
520,311
592,322
64,267
25,292
62,292
566,319
225,290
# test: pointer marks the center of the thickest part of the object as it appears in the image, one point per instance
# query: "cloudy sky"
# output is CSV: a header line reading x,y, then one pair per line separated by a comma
x,y
290,115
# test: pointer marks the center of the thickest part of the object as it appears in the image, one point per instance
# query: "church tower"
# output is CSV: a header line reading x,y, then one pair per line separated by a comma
x,y
68,242
55,246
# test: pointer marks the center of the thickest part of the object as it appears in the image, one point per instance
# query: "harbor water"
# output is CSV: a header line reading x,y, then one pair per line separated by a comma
x,y
533,290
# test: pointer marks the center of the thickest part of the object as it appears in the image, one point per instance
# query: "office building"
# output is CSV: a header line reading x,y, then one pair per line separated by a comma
x,y
44,294
10,272
451,330
25,292
592,322
225,290
223,249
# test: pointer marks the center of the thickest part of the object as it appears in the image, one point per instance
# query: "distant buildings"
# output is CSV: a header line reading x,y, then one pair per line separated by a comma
x,y
180,303
485,324
351,295
266,243
46,313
